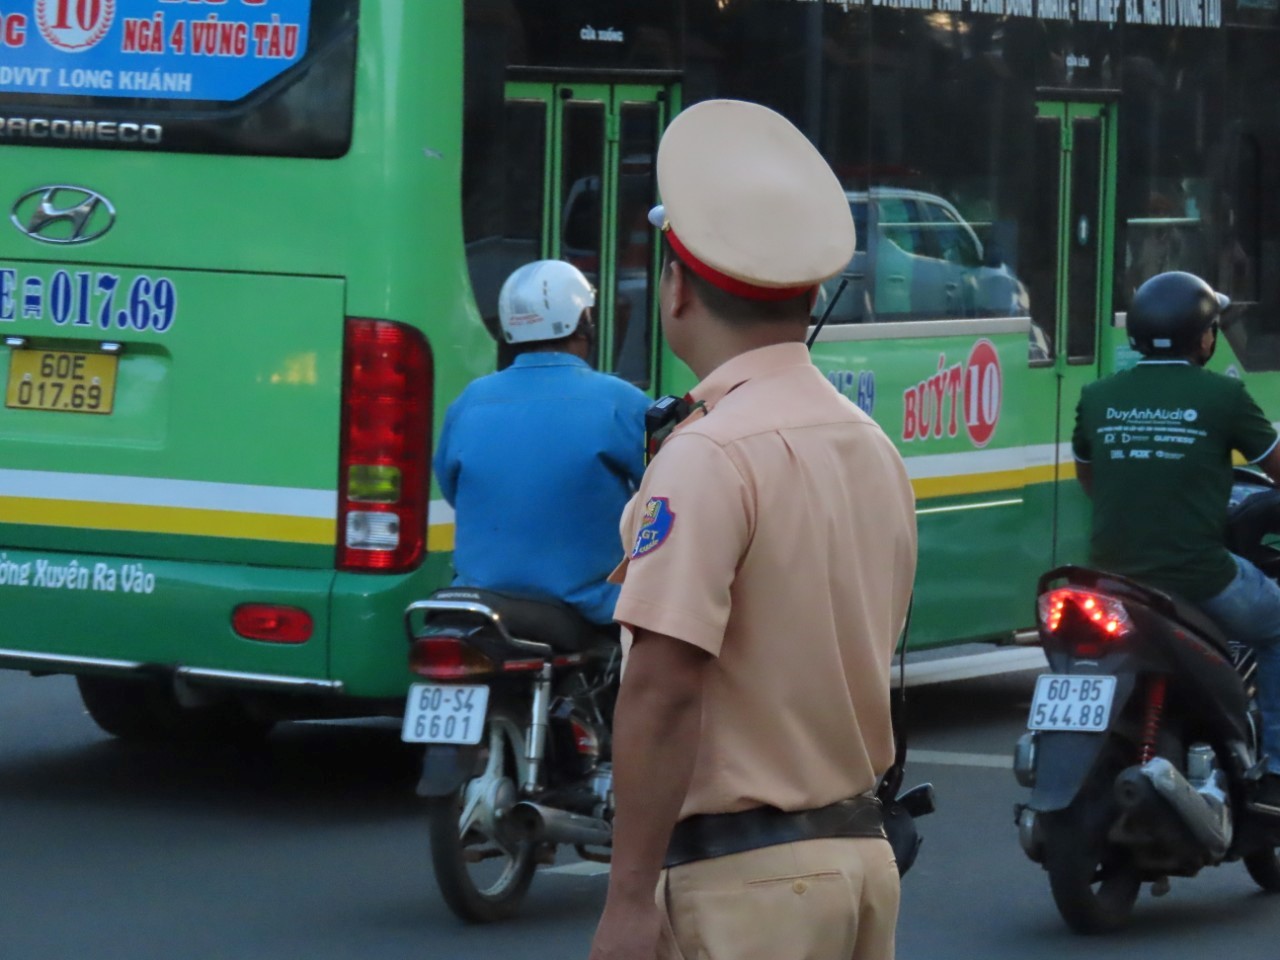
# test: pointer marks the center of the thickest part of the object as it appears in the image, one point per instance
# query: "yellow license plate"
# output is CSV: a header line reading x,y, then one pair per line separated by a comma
x,y
62,380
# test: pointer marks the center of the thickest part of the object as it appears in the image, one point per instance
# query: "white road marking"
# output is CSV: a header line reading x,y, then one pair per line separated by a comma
x,y
1002,660
583,868
931,671
998,761
955,758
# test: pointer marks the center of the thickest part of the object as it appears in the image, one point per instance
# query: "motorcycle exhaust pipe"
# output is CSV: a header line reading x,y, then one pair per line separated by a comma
x,y
1204,814
533,821
1133,790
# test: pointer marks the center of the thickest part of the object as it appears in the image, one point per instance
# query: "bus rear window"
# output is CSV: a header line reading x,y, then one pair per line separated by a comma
x,y
269,77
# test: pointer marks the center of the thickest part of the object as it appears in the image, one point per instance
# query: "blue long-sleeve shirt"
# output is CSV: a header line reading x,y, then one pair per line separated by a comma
x,y
539,461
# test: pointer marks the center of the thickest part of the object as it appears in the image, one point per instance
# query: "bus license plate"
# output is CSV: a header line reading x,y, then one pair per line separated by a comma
x,y
1080,704
62,380
444,713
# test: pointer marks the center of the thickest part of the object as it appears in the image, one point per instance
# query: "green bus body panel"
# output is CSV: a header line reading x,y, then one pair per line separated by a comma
x,y
159,612
268,255
243,389
201,411
973,471
371,654
211,549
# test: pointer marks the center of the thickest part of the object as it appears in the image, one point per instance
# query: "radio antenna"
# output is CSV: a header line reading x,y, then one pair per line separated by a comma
x,y
844,282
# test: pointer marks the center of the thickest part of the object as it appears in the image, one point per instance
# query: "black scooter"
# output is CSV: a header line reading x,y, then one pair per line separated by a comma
x,y
1144,750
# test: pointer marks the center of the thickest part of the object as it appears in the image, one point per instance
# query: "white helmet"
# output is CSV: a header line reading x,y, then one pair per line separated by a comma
x,y
543,300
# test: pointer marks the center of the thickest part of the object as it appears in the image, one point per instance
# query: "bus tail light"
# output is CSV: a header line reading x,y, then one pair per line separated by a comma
x,y
384,483
272,623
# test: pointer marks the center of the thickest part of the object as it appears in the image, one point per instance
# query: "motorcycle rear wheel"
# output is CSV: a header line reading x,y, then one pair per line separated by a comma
x,y
1093,887
483,874
1264,868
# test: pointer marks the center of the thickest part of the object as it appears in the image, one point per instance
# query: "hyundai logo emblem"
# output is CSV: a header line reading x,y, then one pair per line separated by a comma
x,y
63,214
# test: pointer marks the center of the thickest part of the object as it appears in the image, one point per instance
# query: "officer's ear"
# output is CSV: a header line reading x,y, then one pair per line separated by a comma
x,y
679,289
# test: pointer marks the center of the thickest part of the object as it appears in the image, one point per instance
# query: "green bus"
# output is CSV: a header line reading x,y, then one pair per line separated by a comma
x,y
252,248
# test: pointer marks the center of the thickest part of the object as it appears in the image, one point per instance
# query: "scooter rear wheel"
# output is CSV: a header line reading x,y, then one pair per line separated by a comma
x,y
1264,867
1093,886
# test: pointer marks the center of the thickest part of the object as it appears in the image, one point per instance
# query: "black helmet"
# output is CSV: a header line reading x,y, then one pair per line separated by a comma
x,y
1170,312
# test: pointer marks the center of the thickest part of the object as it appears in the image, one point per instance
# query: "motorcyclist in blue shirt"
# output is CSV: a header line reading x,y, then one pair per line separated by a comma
x,y
538,460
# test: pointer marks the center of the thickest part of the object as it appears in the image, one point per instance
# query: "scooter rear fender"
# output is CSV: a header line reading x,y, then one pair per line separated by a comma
x,y
1064,760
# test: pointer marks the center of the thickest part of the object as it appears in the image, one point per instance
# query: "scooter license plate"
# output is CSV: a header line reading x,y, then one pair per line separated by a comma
x,y
1074,703
444,713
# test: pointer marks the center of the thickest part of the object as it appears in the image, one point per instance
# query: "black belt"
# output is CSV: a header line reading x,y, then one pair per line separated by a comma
x,y
707,835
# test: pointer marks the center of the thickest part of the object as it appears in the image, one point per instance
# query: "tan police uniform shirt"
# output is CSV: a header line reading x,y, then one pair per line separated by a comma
x,y
777,532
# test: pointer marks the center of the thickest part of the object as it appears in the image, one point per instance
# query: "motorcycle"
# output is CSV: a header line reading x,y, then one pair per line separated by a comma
x,y
516,713
1143,749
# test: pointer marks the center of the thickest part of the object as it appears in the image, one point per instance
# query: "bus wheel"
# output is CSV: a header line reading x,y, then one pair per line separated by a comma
x,y
121,708
137,709
483,873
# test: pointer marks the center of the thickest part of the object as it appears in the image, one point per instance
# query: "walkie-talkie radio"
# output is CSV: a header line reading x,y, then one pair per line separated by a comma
x,y
660,419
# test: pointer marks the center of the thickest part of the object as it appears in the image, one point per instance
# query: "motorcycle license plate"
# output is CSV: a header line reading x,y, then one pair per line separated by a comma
x,y
444,713
1079,704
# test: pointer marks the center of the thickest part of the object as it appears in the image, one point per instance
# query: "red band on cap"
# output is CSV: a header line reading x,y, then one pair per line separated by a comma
x,y
748,291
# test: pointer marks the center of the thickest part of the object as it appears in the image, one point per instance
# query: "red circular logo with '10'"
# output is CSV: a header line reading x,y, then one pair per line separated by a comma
x,y
74,24
982,392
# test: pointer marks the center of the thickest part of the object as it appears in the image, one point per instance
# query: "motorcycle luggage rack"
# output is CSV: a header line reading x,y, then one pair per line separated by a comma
x,y
490,616
1123,586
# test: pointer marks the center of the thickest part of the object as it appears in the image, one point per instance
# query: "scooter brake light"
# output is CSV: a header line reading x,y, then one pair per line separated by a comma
x,y
1105,616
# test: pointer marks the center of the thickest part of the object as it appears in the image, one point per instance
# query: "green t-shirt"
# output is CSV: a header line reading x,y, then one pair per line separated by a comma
x,y
1159,439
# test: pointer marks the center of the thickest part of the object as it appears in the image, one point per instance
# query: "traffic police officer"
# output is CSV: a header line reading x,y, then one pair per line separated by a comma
x,y
770,555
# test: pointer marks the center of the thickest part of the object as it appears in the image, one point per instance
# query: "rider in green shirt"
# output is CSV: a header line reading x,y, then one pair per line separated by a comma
x,y
1153,450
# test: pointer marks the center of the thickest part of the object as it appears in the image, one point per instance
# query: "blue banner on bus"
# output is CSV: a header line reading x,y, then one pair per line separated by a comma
x,y
158,49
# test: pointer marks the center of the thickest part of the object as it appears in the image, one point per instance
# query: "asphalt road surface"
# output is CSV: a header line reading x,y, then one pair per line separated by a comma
x,y
314,847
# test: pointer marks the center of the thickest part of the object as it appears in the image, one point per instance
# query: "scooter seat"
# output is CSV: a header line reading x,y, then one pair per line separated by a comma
x,y
535,618
1191,617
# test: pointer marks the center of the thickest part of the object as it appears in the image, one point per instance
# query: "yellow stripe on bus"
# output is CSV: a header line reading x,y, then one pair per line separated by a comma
x,y
190,521
928,488
173,520
440,538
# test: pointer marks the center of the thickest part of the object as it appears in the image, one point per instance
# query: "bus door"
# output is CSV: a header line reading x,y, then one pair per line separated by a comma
x,y
598,144
1075,162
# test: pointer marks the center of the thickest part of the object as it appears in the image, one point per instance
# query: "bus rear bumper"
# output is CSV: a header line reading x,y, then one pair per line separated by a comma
x,y
44,663
173,619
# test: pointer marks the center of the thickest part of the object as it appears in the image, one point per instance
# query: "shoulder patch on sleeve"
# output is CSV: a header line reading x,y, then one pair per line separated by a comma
x,y
655,527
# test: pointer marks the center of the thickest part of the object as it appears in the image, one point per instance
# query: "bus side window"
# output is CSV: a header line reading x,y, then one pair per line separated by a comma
x,y
1038,240
1251,328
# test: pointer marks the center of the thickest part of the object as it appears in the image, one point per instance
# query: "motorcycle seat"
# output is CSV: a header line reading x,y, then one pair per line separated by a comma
x,y
536,618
